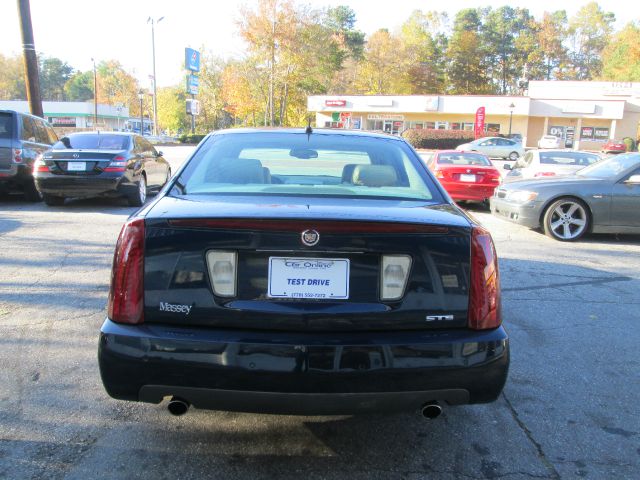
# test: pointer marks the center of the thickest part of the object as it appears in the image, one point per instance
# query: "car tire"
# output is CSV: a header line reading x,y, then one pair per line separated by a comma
x,y
567,219
53,200
513,156
137,198
31,193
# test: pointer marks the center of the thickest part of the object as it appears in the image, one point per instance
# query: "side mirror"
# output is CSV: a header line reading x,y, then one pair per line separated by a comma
x,y
506,166
158,153
633,179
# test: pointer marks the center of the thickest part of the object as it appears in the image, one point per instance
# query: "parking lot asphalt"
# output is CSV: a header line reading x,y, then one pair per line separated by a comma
x,y
569,409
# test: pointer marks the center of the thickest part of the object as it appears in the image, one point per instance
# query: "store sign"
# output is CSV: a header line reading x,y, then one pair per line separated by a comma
x,y
62,121
480,116
568,142
192,59
622,89
432,104
557,131
193,84
335,103
376,116
601,134
586,133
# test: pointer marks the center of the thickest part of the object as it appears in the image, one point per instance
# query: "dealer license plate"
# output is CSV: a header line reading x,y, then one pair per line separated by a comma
x,y
467,178
76,166
309,278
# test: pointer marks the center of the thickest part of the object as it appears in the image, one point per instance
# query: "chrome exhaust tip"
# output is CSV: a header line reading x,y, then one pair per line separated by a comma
x,y
178,406
431,410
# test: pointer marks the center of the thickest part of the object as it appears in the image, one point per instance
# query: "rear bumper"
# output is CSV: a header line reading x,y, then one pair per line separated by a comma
x,y
89,186
16,176
301,373
474,192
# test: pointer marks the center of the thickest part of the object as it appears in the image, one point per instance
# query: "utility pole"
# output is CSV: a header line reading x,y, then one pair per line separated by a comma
x,y
155,92
95,95
32,79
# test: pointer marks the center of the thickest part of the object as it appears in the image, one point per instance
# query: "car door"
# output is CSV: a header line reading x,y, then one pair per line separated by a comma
x,y
522,168
625,202
488,147
154,175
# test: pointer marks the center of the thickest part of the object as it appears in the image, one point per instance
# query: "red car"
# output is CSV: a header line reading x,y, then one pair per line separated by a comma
x,y
614,146
465,175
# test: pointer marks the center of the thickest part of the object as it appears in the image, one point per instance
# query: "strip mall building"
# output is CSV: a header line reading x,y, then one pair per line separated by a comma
x,y
584,114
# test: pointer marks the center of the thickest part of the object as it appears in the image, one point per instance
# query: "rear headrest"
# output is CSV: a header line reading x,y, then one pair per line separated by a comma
x,y
375,175
237,170
347,172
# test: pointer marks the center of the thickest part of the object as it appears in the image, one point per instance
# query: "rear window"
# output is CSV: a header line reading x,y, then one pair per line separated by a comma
x,y
462,159
568,158
265,163
93,142
6,125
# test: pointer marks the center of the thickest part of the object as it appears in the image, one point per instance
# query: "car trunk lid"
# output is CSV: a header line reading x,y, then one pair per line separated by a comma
x,y
355,238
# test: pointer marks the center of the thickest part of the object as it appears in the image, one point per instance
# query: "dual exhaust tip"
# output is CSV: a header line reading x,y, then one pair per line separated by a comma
x,y
178,406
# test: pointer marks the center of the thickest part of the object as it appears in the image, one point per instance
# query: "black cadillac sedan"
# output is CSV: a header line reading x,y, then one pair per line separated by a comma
x,y
304,272
95,164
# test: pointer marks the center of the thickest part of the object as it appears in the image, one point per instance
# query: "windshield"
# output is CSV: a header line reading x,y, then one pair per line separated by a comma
x,y
611,167
93,142
463,159
568,158
278,163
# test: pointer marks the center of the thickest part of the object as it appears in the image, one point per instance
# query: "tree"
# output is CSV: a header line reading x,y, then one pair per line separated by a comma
x,y
12,85
467,68
381,71
117,86
589,32
171,109
621,57
424,52
547,61
508,39
79,88
54,74
212,113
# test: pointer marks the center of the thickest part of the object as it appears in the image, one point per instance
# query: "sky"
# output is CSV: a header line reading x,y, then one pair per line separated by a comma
x,y
78,30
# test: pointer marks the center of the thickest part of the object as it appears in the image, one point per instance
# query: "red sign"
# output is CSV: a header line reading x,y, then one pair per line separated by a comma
x,y
335,103
479,126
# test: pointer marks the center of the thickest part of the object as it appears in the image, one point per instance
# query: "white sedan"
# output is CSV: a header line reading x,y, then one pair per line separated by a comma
x,y
548,163
550,141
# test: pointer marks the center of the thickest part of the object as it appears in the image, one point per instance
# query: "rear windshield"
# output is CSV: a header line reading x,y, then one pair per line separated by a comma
x,y
93,142
568,158
462,159
6,125
277,163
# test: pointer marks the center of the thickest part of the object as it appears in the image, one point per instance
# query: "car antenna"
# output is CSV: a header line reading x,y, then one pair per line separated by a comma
x,y
309,130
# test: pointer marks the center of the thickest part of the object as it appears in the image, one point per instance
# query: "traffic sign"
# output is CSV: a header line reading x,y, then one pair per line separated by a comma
x,y
193,84
193,107
192,59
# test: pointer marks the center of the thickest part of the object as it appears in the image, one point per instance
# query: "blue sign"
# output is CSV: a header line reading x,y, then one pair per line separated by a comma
x,y
192,59
192,84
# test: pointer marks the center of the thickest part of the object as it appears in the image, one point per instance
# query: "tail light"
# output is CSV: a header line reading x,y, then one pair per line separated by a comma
x,y
439,173
544,174
39,165
126,296
222,271
394,275
17,155
485,310
117,164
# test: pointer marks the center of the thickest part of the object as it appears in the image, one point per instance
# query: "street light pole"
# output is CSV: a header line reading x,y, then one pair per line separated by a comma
x,y
141,97
95,95
155,92
511,107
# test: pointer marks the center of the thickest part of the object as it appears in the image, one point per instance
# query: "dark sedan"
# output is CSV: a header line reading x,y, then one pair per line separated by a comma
x,y
601,198
304,272
96,164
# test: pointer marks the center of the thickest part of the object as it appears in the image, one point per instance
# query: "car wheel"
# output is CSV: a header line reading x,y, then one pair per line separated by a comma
x,y
53,200
137,198
566,219
31,193
514,156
